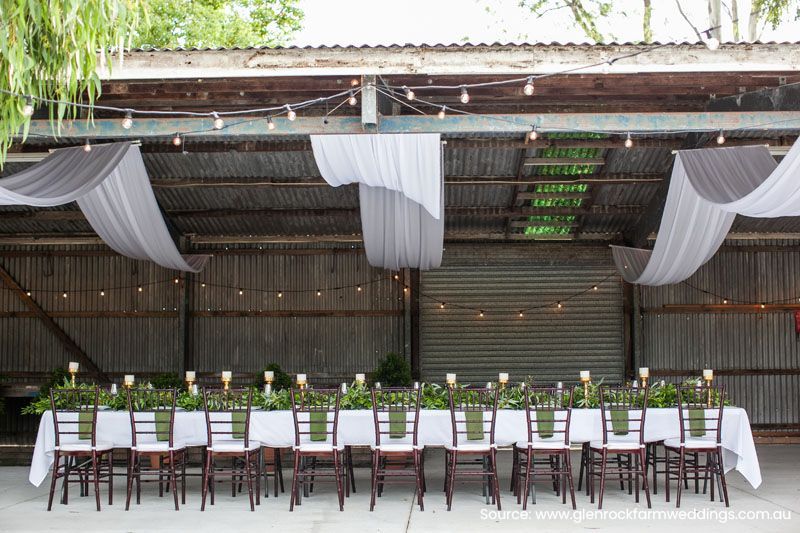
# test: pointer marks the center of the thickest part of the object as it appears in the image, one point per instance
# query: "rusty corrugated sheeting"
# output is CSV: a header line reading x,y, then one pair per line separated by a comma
x,y
258,197
548,344
230,164
480,162
733,341
323,346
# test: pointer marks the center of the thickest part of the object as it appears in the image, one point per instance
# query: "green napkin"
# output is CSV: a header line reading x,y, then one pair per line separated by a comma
x,y
238,422
545,423
85,425
697,422
397,422
619,421
474,425
318,425
162,425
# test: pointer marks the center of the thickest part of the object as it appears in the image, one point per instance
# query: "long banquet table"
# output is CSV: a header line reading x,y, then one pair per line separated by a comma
x,y
356,428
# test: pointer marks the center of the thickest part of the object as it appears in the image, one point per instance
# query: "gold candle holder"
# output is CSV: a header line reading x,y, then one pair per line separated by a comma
x,y
586,378
302,381
502,379
451,380
226,379
73,370
190,379
644,374
128,381
708,376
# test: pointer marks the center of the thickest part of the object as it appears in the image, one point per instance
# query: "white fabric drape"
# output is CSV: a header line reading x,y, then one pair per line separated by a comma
x,y
111,187
400,192
707,189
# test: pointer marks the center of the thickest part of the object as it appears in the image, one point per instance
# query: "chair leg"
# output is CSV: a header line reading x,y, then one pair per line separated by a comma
x,y
248,470
645,486
96,476
184,458
568,460
294,481
418,475
350,474
451,478
721,468
584,468
131,473
337,457
173,478
56,461
206,478
514,469
374,477
495,479
604,461
65,482
681,467
527,486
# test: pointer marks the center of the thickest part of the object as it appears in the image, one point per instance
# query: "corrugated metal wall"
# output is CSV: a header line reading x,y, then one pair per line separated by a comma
x,y
763,345
549,344
326,346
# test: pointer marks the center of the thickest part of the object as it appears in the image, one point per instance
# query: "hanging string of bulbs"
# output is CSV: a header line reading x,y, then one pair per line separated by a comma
x,y
408,94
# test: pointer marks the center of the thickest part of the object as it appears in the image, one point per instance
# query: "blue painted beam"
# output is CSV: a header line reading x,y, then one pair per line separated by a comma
x,y
256,128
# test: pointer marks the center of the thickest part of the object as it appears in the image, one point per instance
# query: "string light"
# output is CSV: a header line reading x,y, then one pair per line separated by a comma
x,y
725,301
559,305
533,135
396,277
241,292
521,314
27,109
270,124
441,305
481,314
354,82
763,306
405,289
177,140
352,100
64,294
720,138
319,292
410,95
711,42
280,294
529,88
102,292
464,95
87,147
127,122
218,122
358,288
628,141
177,280
140,288
203,285
290,114
28,293
594,288
442,112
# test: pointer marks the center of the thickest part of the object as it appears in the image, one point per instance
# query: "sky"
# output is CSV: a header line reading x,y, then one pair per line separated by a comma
x,y
374,22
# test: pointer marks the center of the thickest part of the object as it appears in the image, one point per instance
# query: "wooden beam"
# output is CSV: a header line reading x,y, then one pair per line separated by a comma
x,y
91,314
720,308
66,341
339,313
165,128
414,315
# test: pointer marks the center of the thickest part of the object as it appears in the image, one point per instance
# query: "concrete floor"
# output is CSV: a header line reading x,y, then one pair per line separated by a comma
x,y
23,507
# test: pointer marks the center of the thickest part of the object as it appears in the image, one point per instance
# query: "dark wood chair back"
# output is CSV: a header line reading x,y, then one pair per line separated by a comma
x,y
623,411
548,411
152,413
228,414
700,411
395,411
316,415
473,414
75,414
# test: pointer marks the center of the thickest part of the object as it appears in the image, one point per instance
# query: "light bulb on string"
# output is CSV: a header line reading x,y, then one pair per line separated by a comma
x,y
127,122
711,42
558,305
177,141
533,135
27,109
64,294
177,280
280,294
628,141
358,288
763,306
290,114
441,305
140,288
203,285
464,95
319,292
521,314
28,293
442,112
241,292
405,289
396,277
218,122
409,93
529,88
594,288
720,138
270,124
87,147
725,300
352,100
480,314
102,292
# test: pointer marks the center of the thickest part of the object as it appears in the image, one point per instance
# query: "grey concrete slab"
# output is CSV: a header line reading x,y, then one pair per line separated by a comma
x,y
23,507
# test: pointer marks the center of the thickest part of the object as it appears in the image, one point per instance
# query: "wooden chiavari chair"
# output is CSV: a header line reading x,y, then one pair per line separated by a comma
x,y
152,414
623,411
75,424
700,412
316,421
548,412
396,416
473,414
228,437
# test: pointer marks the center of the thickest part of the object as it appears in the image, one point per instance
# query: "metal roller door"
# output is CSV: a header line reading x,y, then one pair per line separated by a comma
x,y
548,344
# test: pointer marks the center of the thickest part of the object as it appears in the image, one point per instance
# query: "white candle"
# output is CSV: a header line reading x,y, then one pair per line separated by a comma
x,y
361,378
503,377
585,375
377,384
269,376
73,366
708,373
226,375
451,379
644,372
190,375
560,385
113,389
128,379
194,389
301,379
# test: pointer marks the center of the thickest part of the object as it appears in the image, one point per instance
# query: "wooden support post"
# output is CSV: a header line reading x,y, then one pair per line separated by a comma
x,y
415,323
628,329
185,330
62,336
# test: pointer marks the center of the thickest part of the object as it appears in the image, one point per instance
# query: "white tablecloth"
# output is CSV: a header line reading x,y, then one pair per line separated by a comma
x,y
276,429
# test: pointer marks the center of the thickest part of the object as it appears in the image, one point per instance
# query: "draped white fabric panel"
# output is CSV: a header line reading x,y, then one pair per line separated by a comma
x,y
400,190
707,189
111,187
